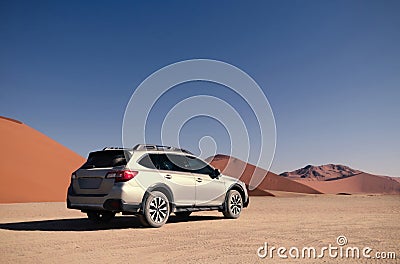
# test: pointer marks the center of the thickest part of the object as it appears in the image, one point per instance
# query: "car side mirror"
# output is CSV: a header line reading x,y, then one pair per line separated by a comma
x,y
215,173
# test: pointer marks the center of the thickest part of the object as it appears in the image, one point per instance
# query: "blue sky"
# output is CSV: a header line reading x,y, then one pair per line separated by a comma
x,y
330,69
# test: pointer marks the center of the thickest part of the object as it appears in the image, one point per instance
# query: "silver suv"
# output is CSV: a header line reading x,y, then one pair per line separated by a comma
x,y
152,182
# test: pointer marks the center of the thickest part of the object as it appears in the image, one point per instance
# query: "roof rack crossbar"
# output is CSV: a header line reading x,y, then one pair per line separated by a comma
x,y
110,148
159,147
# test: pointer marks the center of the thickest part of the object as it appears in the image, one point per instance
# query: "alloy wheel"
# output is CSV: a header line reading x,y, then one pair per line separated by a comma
x,y
236,204
158,209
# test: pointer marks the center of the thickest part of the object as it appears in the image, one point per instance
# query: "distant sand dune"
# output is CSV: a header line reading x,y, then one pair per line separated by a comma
x,y
338,179
34,168
360,183
239,169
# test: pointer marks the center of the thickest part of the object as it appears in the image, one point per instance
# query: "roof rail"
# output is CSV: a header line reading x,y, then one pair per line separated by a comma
x,y
160,148
111,148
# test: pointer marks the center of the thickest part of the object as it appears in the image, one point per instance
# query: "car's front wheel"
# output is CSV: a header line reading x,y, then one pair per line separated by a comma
x,y
156,210
233,204
100,216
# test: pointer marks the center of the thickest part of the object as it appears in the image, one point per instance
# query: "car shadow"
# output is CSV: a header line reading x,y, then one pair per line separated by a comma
x,y
83,224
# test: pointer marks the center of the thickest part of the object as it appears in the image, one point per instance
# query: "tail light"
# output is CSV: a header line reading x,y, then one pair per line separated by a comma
x,y
122,175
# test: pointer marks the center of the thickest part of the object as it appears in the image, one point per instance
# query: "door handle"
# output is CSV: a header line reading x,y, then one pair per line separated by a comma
x,y
199,179
168,176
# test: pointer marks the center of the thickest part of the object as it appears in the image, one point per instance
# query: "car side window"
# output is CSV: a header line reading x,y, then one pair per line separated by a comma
x,y
149,161
198,166
173,162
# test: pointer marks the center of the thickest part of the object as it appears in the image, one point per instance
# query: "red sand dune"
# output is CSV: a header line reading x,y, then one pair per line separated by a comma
x,y
259,192
34,168
396,179
329,179
360,183
244,171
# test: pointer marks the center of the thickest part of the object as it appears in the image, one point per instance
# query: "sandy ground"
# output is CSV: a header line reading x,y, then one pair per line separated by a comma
x,y
49,233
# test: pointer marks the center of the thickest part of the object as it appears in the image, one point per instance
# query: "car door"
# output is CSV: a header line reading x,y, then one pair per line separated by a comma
x,y
209,191
174,168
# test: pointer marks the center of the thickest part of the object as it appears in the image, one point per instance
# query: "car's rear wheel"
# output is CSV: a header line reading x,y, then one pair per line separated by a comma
x,y
156,210
184,214
100,216
233,204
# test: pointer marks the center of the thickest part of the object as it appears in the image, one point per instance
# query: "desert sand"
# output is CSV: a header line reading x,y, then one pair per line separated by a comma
x,y
49,233
34,168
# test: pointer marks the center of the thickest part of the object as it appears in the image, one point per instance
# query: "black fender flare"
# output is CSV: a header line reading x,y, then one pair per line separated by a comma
x,y
161,187
239,188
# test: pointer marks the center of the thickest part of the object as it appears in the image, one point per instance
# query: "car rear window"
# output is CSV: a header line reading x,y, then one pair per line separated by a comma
x,y
107,158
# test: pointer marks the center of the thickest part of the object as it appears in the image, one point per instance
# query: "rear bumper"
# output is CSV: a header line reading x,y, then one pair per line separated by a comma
x,y
115,205
117,200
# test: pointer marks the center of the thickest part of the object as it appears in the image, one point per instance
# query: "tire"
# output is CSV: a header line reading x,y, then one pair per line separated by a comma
x,y
184,214
143,220
233,204
156,210
100,216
